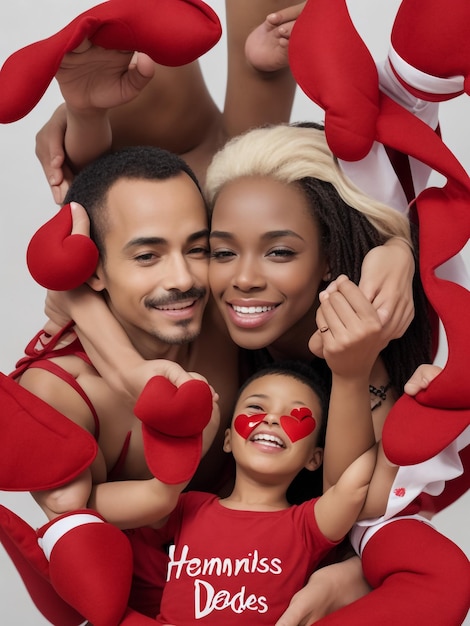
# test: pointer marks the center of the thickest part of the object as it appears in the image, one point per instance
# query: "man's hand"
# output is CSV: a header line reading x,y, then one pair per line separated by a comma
x,y
91,77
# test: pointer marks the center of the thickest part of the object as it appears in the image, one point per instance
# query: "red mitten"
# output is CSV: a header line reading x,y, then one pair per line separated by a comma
x,y
430,48
90,565
172,32
20,542
332,65
58,260
173,419
42,448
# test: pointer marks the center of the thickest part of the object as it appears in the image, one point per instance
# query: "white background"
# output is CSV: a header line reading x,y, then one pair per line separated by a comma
x,y
26,203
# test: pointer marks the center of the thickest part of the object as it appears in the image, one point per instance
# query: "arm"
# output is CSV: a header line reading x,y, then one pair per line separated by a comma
x,y
350,346
135,503
107,344
93,80
339,507
253,97
51,155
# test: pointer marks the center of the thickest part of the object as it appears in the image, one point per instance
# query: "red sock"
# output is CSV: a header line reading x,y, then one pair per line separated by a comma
x,y
90,565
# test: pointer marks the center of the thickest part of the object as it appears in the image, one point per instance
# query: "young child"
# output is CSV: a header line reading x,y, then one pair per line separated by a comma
x,y
240,559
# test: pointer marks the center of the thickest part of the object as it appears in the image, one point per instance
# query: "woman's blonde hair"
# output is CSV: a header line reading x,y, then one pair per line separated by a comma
x,y
290,153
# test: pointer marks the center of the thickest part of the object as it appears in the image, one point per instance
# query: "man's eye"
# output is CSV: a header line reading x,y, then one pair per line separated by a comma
x,y
145,258
202,251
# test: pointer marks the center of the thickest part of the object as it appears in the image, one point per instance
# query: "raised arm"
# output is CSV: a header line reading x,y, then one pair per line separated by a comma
x,y
253,97
350,346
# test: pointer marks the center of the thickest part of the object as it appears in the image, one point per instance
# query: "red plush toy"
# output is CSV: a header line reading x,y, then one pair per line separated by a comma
x,y
333,66
171,32
360,116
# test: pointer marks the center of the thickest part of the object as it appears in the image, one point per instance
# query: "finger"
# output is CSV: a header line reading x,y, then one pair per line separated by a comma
x,y
83,47
421,378
80,220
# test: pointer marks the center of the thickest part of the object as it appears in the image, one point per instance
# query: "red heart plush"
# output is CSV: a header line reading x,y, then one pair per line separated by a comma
x,y
173,420
58,260
299,424
245,424
176,411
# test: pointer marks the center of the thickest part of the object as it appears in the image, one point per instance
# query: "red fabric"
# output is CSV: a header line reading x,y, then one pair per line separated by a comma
x,y
338,73
70,259
334,68
173,420
91,569
42,448
275,552
172,32
454,489
20,542
419,577
434,39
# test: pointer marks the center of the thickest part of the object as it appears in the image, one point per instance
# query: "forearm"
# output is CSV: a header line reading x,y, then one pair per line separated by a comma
x,y
88,135
350,430
270,94
135,503
380,487
104,340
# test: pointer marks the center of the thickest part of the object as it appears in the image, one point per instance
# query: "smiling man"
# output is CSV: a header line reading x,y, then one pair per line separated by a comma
x,y
149,223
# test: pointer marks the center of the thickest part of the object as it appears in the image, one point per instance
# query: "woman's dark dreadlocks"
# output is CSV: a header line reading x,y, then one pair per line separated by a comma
x,y
346,237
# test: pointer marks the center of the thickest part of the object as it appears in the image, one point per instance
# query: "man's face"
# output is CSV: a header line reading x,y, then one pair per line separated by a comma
x,y
157,255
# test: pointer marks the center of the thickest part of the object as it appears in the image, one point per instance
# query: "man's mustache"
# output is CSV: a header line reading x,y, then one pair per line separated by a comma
x,y
174,296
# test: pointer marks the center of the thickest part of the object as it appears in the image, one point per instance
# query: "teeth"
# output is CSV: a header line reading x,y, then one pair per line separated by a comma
x,y
176,306
247,310
269,439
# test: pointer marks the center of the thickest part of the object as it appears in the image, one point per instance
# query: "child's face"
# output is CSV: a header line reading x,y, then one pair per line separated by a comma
x,y
275,426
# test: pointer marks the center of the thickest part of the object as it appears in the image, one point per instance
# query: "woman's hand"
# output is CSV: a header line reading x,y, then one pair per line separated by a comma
x,y
387,282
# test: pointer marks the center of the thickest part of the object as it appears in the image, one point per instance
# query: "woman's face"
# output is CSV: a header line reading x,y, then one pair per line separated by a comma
x,y
266,265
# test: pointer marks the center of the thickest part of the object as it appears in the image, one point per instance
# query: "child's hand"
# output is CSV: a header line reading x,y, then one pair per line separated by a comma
x,y
266,46
421,378
387,282
93,78
349,334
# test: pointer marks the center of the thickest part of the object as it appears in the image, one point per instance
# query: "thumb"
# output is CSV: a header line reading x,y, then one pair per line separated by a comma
x,y
80,220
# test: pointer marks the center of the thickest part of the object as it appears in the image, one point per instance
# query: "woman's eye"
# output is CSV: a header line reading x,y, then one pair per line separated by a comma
x,y
222,255
281,253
